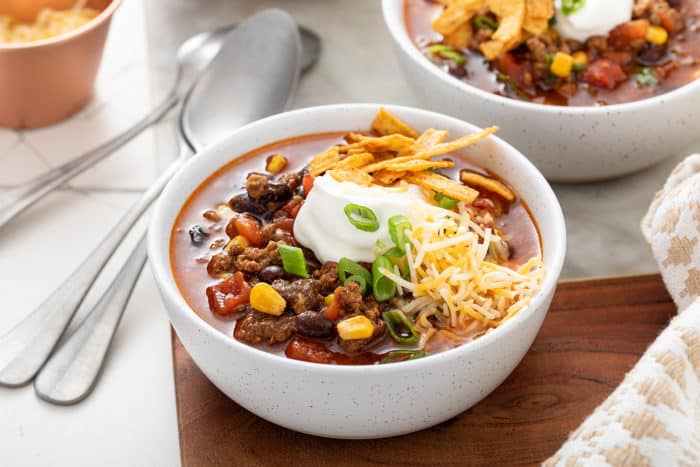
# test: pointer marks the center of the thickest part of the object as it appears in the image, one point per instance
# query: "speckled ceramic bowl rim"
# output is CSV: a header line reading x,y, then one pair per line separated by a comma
x,y
103,16
397,28
161,267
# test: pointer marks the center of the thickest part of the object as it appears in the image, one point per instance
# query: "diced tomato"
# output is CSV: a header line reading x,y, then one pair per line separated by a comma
x,y
332,311
293,206
226,296
604,74
622,35
517,71
309,351
620,58
250,228
317,352
307,182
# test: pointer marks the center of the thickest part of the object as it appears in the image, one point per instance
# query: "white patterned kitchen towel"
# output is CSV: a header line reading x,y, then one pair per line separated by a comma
x,y
653,417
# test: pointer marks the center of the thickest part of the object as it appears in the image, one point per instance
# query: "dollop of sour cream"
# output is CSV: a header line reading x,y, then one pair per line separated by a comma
x,y
595,18
322,226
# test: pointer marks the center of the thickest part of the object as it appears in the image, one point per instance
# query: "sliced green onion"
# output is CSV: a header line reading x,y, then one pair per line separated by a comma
x,y
569,7
438,48
646,77
403,355
293,260
383,288
445,202
457,57
485,22
579,66
400,327
362,217
359,280
348,268
447,52
394,252
398,230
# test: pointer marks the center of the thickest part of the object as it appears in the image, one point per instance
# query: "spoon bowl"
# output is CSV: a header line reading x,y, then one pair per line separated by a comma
x,y
200,126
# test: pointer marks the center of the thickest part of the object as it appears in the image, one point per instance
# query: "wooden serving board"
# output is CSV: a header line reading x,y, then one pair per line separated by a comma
x,y
594,333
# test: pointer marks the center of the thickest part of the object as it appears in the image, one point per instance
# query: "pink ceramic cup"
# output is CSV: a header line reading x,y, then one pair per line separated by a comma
x,y
46,81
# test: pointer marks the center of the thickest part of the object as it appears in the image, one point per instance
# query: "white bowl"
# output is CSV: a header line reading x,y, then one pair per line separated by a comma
x,y
356,401
568,144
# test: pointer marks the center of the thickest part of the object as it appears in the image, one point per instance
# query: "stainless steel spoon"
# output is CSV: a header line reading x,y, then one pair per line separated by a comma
x,y
193,57
25,348
270,83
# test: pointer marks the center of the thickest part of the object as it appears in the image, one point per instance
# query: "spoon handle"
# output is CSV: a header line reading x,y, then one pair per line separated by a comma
x,y
72,371
16,200
24,349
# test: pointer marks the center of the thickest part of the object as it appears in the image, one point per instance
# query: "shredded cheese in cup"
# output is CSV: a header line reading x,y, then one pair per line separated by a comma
x,y
48,23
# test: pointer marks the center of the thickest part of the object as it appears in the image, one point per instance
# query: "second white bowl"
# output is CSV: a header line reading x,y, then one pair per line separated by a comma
x,y
568,144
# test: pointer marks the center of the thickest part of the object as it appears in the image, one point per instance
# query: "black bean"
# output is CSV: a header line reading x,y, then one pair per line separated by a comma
x,y
278,192
243,203
198,234
652,55
457,71
313,324
271,273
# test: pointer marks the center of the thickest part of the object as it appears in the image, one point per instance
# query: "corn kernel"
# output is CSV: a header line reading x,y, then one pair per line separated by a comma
x,y
357,327
328,300
276,163
580,58
561,65
657,35
265,299
237,240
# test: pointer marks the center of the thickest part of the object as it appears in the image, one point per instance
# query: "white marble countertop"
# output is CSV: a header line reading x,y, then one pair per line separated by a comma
x,y
130,418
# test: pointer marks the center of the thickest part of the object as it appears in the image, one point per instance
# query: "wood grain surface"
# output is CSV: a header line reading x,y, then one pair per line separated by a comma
x,y
594,333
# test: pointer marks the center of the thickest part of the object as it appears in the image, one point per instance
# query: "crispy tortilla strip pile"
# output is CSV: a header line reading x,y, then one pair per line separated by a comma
x,y
399,154
517,20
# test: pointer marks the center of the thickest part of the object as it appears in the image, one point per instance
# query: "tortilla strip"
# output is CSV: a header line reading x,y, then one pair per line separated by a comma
x,y
543,9
387,177
460,37
535,26
324,161
456,144
374,144
419,166
385,163
386,123
443,185
456,14
428,139
511,15
487,183
353,137
355,161
351,175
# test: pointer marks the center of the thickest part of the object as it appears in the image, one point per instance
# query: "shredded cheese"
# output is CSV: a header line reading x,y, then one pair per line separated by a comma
x,y
48,23
453,280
